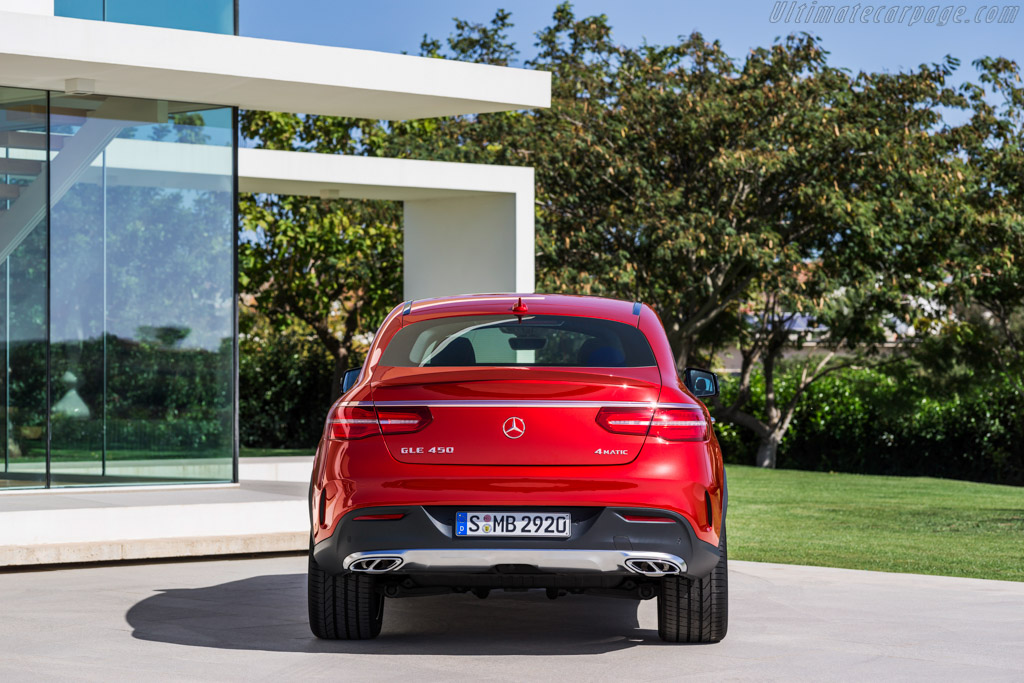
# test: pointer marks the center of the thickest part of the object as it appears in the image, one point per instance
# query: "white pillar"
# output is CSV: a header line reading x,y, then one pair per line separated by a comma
x,y
469,245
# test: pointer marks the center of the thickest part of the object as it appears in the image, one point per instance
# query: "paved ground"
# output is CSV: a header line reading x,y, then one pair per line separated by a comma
x,y
245,619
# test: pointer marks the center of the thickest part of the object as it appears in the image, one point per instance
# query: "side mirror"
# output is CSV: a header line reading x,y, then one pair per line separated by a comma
x,y
348,380
701,383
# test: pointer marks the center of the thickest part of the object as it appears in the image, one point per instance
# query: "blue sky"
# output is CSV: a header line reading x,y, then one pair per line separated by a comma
x,y
398,25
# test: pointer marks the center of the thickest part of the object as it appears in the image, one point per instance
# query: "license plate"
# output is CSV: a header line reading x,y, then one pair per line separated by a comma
x,y
551,524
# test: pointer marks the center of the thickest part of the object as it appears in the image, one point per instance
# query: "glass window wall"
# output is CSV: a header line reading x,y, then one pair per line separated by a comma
x,y
142,316
116,291
23,273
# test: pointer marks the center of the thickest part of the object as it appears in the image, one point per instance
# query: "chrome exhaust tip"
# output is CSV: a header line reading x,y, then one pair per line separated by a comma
x,y
653,567
377,564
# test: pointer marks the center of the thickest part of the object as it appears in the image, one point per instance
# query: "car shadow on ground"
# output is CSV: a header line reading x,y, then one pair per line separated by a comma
x,y
269,613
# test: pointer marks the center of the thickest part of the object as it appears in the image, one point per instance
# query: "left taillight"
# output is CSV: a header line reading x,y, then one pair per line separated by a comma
x,y
353,422
358,422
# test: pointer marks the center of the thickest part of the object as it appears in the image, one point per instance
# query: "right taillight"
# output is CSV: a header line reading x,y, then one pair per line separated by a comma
x,y
670,424
353,422
679,424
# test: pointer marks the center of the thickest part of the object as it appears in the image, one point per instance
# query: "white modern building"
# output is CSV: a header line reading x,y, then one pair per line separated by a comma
x,y
119,177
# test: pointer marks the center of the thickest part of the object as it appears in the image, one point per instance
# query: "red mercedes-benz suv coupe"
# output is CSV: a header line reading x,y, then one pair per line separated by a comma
x,y
507,441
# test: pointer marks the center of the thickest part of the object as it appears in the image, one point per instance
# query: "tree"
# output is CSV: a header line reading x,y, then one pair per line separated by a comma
x,y
876,231
333,265
336,266
983,296
737,197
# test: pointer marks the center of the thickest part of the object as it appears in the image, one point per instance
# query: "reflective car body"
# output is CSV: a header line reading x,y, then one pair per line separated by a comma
x,y
411,445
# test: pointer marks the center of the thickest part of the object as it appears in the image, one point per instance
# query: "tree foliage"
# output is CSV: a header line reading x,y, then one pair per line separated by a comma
x,y
335,266
775,203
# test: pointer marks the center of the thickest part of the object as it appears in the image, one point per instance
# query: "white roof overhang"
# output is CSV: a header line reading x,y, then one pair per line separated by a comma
x,y
339,176
44,52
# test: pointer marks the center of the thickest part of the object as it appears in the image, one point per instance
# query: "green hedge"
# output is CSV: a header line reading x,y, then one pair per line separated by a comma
x,y
284,390
152,436
872,422
141,396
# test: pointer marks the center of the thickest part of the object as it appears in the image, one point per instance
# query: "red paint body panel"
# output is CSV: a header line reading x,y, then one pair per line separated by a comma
x,y
666,477
466,430
554,462
539,304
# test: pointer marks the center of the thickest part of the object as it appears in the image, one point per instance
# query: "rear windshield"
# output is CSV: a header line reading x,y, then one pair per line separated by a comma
x,y
535,340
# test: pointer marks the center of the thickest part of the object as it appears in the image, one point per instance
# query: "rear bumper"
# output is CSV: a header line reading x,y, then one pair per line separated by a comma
x,y
548,560
603,541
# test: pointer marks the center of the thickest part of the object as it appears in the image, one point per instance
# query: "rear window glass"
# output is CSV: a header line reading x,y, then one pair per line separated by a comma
x,y
536,340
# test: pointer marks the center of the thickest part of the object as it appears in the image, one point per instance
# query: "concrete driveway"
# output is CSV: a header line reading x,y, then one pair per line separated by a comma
x,y
245,619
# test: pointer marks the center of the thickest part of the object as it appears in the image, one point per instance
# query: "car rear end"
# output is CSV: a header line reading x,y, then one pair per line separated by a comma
x,y
510,442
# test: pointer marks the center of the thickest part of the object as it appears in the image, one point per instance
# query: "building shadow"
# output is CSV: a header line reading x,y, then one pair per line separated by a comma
x,y
269,613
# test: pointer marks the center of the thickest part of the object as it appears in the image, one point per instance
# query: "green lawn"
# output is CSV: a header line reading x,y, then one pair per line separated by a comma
x,y
895,524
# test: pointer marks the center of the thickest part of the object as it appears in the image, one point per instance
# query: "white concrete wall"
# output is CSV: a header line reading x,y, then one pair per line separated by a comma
x,y
460,246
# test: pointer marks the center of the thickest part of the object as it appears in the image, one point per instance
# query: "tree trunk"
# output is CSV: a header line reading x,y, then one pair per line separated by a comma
x,y
343,357
683,355
767,450
340,366
338,352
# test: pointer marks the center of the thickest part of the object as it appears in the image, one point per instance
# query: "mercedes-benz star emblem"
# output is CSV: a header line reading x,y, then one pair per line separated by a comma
x,y
514,427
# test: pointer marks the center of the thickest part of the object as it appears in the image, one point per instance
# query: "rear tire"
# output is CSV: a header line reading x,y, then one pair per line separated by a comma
x,y
696,610
345,607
